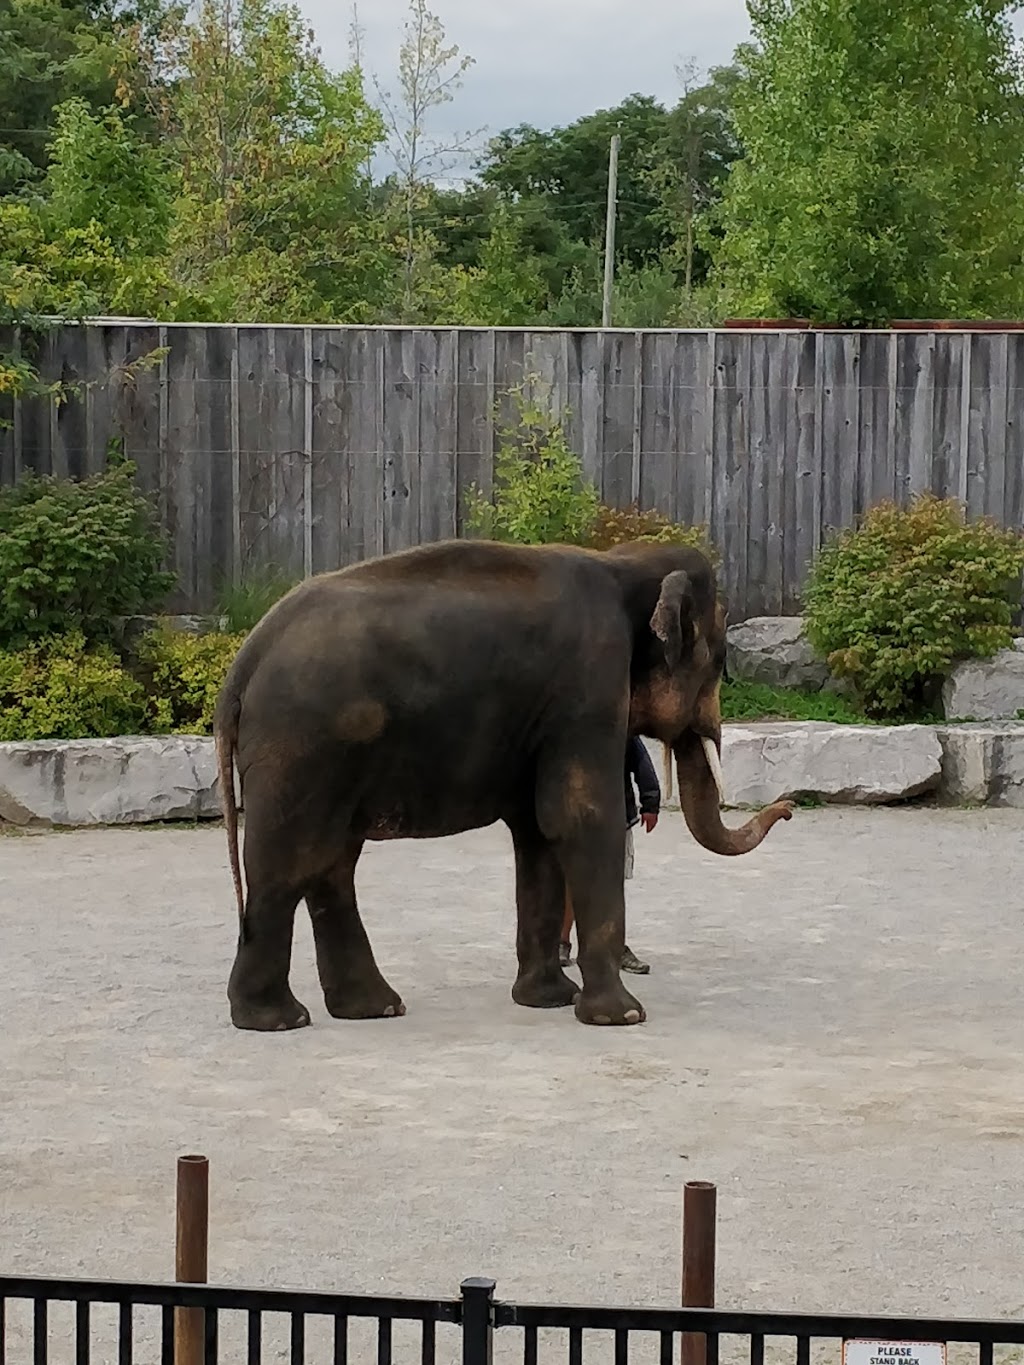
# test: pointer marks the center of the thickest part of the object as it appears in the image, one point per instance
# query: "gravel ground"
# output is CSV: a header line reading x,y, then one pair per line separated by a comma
x,y
835,1037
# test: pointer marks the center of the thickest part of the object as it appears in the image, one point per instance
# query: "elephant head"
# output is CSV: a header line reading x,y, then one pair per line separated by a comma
x,y
679,638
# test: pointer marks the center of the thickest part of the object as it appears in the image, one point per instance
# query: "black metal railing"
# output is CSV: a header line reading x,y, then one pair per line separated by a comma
x,y
475,1319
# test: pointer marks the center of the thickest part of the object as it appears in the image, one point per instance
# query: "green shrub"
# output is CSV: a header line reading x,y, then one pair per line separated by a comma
x,y
540,494
183,675
617,526
893,604
243,604
62,688
73,555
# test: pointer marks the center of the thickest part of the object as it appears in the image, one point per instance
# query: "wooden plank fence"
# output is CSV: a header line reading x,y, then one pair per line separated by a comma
x,y
305,448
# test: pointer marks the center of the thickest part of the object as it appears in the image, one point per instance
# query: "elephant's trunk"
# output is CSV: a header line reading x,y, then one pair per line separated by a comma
x,y
701,791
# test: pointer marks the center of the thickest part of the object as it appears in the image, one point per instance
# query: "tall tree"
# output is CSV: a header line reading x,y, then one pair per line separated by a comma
x,y
884,154
567,170
52,51
271,148
430,71
692,163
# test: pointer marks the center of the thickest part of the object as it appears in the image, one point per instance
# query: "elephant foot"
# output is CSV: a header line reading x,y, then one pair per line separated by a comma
x,y
378,1002
613,1005
548,989
269,1016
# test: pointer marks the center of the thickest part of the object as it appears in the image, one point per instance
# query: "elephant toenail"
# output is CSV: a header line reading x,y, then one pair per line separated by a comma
x,y
401,1011
389,1012
632,1016
602,1019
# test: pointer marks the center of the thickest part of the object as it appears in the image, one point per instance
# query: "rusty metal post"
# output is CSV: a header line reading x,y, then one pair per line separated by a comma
x,y
191,1247
700,1199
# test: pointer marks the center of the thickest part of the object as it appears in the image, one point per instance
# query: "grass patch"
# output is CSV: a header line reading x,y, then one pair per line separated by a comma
x,y
243,604
758,701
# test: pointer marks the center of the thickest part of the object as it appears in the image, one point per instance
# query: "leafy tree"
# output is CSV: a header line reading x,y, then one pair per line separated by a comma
x,y
672,164
505,288
883,162
92,237
567,170
52,51
692,164
271,221
429,72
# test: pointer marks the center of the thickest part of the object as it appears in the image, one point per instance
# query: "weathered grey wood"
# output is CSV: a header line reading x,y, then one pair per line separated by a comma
x,y
401,440
986,440
1013,497
307,451
68,430
235,442
947,386
789,396
438,435
130,409
33,452
474,397
662,451
732,459
271,463
806,456
348,425
617,377
875,470
591,427
330,459
197,463
764,572
302,449
840,428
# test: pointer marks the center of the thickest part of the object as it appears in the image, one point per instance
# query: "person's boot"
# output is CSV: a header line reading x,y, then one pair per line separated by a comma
x,y
631,963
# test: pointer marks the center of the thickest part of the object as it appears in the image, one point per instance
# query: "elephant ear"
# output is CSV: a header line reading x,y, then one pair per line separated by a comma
x,y
675,612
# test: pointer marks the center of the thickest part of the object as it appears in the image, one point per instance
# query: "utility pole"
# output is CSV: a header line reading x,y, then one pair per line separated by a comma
x,y
609,231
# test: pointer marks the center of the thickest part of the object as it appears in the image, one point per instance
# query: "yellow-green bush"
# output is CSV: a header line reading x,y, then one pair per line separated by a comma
x,y
619,525
894,603
184,674
62,688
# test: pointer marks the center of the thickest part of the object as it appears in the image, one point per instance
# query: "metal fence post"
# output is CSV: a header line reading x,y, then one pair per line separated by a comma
x,y
477,1321
191,1245
700,1199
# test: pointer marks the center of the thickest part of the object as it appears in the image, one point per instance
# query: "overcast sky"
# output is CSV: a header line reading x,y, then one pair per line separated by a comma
x,y
545,62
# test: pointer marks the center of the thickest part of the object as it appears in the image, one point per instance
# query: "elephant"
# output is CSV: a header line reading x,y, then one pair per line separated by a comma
x,y
449,687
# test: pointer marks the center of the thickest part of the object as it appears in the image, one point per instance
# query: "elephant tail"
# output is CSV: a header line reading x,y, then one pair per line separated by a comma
x,y
225,728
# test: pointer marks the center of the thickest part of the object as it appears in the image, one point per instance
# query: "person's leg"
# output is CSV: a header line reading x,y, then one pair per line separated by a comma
x,y
630,961
565,944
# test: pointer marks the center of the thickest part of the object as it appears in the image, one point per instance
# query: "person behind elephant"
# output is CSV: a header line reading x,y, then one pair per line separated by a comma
x,y
639,770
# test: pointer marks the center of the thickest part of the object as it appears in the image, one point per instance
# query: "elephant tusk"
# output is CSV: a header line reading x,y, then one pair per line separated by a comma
x,y
666,767
715,764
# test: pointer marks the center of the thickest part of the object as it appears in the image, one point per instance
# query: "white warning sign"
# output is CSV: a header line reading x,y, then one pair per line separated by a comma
x,y
859,1352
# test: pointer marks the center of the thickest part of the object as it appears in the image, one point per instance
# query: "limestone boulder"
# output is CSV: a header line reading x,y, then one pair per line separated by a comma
x,y
774,650
849,764
983,764
128,780
986,689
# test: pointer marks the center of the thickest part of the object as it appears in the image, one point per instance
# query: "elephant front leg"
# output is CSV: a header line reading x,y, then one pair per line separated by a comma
x,y
351,980
540,904
594,872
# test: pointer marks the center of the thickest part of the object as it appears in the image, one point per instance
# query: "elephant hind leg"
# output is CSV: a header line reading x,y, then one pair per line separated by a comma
x,y
281,849
258,988
352,982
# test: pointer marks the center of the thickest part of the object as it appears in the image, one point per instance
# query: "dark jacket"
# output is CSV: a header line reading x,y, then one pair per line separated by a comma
x,y
640,769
